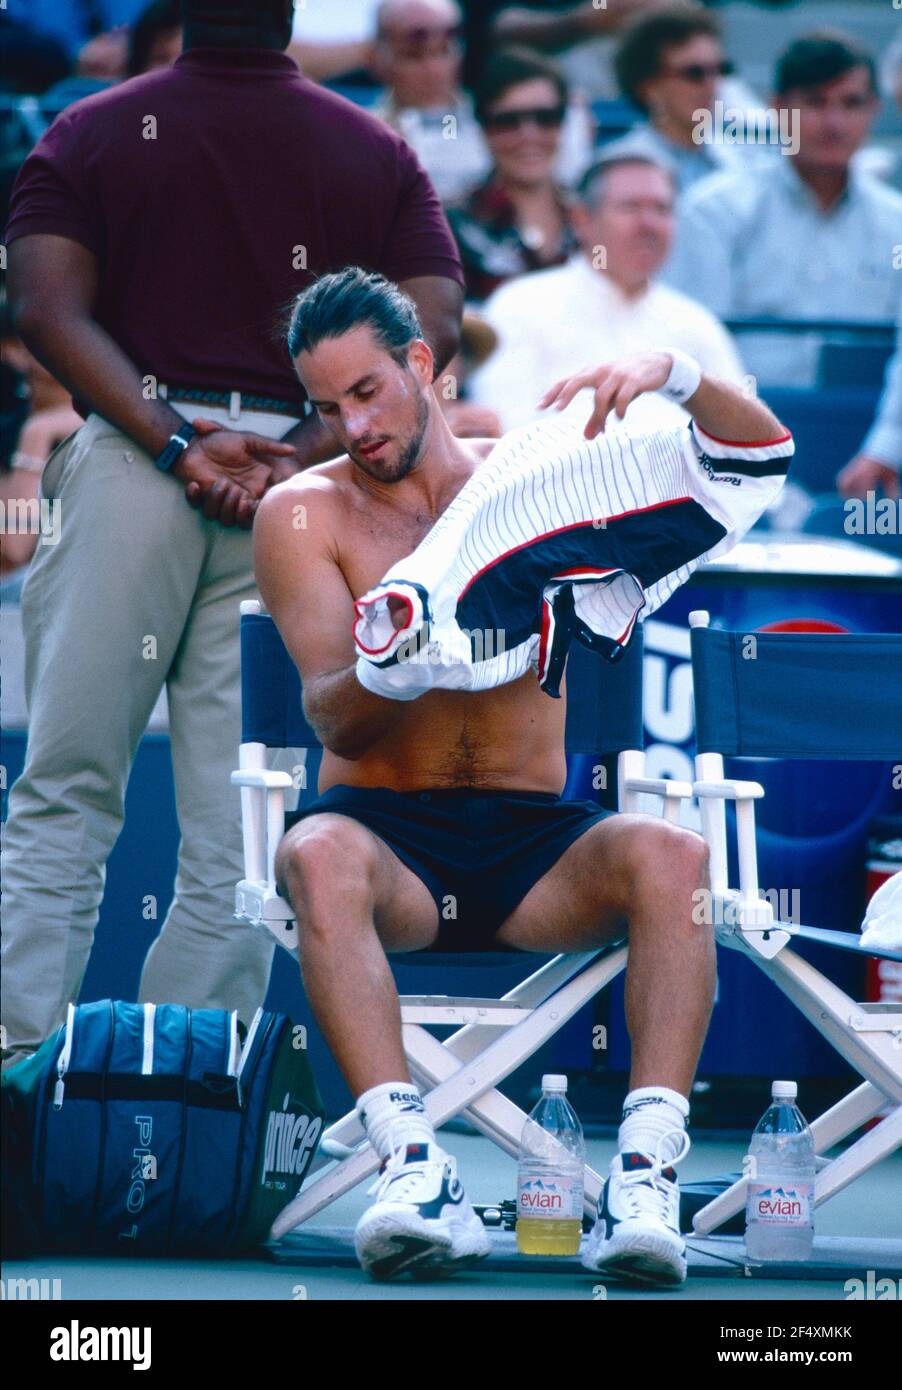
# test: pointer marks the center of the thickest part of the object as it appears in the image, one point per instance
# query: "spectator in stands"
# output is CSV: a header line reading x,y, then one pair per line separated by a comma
x,y
104,58
518,219
803,236
670,63
604,303
155,38
417,54
878,463
148,275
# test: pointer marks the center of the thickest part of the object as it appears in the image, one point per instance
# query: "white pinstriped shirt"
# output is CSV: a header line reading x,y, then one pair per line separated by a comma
x,y
556,537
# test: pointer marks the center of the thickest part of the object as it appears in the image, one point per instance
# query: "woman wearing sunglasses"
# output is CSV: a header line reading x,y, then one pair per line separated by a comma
x,y
517,219
670,64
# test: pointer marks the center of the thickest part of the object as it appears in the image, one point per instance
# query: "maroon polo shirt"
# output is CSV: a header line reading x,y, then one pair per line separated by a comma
x,y
257,181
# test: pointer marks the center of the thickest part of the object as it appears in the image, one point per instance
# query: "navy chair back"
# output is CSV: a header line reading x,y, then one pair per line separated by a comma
x,y
798,694
827,426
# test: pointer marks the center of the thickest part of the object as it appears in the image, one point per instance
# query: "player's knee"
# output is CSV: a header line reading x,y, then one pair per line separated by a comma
x,y
325,864
669,854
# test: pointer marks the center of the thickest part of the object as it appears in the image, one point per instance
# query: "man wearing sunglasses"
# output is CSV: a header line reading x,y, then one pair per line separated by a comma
x,y
671,65
517,220
417,54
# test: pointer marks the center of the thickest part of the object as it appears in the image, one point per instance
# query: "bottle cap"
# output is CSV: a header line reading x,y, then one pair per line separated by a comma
x,y
552,1082
784,1090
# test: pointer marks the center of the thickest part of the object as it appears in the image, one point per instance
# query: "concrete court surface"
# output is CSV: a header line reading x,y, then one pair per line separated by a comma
x,y
871,1207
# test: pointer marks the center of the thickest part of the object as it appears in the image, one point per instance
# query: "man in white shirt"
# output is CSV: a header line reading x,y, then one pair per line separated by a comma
x,y
603,303
806,235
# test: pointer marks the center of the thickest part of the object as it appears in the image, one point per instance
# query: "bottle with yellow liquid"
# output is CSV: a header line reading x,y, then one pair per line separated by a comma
x,y
550,1175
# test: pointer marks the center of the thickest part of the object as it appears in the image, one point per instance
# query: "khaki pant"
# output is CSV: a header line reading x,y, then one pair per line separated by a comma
x,y
140,591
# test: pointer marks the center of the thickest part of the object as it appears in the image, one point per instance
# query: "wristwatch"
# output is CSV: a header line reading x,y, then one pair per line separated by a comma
x,y
177,445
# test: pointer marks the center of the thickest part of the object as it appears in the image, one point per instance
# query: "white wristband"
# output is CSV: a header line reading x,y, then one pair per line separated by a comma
x,y
684,379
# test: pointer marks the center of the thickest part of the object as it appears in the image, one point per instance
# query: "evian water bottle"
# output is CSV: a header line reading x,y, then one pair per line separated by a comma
x,y
779,1210
550,1176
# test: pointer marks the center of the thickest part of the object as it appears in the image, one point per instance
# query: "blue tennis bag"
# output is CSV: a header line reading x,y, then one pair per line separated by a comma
x,y
153,1129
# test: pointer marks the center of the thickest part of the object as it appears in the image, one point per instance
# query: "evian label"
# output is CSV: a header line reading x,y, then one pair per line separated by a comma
x,y
554,1197
785,1204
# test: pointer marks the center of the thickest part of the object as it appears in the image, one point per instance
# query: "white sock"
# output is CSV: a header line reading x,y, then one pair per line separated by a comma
x,y
393,1113
649,1113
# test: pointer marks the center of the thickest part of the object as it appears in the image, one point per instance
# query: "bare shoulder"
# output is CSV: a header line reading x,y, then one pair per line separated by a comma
x,y
318,492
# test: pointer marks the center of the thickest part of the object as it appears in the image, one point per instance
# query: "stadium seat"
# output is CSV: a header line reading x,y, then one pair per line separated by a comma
x,y
853,364
799,695
614,118
828,427
492,1037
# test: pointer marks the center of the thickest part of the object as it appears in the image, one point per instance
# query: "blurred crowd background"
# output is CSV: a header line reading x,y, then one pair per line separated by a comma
x,y
592,219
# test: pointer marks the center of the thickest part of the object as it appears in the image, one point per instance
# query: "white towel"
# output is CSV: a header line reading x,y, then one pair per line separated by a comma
x,y
882,925
555,537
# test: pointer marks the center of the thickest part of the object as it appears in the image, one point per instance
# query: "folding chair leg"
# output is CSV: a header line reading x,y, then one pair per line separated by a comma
x,y
327,1188
871,1050
345,1134
470,1081
470,1040
878,1143
846,1115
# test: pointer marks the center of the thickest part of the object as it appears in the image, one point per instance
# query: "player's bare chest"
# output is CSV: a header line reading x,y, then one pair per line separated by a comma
x,y
371,542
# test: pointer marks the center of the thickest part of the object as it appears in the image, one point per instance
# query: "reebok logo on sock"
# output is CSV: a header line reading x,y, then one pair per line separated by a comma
x,y
638,1104
413,1101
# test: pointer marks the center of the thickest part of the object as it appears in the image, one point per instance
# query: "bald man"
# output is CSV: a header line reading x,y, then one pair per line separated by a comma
x,y
417,54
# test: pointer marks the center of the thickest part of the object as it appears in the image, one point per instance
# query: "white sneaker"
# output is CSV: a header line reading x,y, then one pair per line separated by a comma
x,y
421,1222
637,1230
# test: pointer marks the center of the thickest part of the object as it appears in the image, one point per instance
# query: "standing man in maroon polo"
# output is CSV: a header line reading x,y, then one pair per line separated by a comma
x,y
155,234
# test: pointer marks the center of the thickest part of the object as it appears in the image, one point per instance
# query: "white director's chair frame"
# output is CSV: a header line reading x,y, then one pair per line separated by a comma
x,y
492,1037
868,1036
459,1075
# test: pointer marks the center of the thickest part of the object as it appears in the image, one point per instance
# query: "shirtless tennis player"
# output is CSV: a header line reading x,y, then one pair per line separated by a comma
x,y
429,801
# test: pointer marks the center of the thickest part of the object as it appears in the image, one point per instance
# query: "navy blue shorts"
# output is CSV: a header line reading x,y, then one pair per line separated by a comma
x,y
478,852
